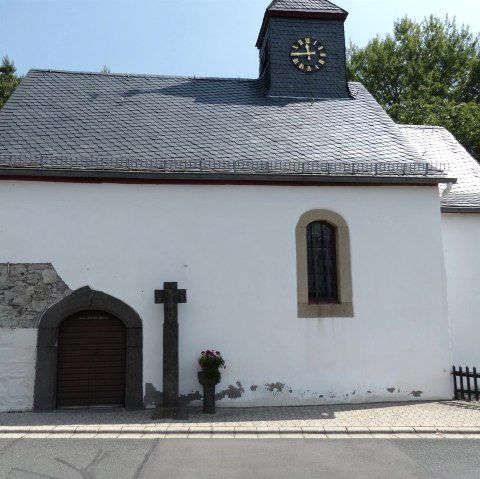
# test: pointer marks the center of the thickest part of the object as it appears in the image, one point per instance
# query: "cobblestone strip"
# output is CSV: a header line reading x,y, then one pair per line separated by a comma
x,y
238,435
452,419
142,432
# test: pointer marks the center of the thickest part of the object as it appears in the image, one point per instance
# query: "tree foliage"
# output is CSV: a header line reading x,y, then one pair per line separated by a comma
x,y
8,80
425,73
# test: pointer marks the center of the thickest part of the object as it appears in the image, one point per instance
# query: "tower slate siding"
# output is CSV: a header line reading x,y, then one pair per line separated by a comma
x,y
286,80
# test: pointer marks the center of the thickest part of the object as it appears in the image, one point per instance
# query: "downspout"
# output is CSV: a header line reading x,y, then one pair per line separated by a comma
x,y
446,191
443,195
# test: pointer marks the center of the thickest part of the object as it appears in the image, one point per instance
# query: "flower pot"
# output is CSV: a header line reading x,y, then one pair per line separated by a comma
x,y
209,379
208,382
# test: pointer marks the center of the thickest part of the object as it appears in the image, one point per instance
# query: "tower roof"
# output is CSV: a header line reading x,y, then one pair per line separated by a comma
x,y
322,9
313,6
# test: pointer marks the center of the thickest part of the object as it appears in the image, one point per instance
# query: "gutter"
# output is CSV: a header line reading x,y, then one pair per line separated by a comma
x,y
139,176
461,209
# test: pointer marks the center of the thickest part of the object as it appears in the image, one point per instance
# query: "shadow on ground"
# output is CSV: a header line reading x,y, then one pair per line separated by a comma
x,y
223,414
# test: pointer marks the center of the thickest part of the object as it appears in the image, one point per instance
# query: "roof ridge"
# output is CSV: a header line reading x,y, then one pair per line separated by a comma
x,y
320,6
424,127
139,75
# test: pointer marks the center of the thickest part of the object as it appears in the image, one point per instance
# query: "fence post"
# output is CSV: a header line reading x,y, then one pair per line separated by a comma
x,y
475,382
469,391
455,389
461,383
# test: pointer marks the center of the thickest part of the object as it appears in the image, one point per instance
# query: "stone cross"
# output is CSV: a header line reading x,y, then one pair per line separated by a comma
x,y
170,296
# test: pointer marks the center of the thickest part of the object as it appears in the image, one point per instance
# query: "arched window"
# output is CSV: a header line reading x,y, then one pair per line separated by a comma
x,y
324,279
321,263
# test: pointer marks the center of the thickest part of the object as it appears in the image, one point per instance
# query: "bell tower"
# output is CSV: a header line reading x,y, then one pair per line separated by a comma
x,y
302,49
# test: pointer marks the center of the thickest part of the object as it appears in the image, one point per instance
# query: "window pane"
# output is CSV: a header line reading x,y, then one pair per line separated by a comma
x,y
322,267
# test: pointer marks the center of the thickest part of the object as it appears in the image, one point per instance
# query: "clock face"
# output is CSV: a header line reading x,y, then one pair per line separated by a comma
x,y
308,54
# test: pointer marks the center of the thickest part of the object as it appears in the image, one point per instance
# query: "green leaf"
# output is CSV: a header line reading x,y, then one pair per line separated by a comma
x,y
8,80
425,73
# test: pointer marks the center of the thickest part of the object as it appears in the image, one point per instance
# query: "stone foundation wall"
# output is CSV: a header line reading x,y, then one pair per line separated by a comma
x,y
26,291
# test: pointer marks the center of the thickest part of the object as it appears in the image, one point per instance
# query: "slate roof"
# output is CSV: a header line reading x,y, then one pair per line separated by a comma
x,y
436,144
150,118
313,6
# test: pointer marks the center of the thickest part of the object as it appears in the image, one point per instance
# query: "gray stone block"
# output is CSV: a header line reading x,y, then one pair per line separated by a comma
x,y
27,289
49,276
38,306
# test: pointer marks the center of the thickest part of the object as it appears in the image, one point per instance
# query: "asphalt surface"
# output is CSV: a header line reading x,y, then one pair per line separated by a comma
x,y
239,458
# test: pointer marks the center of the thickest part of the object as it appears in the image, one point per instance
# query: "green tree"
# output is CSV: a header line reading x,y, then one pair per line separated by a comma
x,y
8,80
425,73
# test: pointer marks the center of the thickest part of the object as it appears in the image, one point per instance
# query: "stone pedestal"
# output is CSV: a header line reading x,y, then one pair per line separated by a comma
x,y
208,384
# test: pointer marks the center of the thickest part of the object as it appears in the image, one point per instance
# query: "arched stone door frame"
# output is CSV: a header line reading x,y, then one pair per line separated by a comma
x,y
85,299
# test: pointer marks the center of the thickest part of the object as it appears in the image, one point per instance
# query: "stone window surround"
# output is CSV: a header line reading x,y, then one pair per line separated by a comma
x,y
85,299
344,307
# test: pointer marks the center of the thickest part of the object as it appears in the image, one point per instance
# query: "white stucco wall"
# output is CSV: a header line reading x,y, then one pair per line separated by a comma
x,y
233,249
18,349
462,258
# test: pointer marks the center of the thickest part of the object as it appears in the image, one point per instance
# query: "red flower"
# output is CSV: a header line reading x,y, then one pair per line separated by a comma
x,y
210,361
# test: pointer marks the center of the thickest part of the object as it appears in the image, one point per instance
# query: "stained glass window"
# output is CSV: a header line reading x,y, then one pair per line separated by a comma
x,y
322,263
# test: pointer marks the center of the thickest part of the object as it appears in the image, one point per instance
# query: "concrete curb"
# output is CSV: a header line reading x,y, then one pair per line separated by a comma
x,y
238,430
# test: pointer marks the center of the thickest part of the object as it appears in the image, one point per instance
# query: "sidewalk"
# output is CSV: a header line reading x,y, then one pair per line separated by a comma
x,y
452,419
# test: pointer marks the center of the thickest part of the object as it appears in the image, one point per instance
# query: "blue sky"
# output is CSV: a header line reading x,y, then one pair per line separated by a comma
x,y
176,37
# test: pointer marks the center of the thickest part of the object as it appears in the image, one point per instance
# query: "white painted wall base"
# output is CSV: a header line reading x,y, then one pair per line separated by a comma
x,y
461,236
18,351
283,395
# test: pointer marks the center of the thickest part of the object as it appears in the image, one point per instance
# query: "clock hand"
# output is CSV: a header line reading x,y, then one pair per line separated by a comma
x,y
307,47
297,54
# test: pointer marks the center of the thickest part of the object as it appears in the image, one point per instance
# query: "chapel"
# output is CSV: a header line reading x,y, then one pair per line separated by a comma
x,y
330,254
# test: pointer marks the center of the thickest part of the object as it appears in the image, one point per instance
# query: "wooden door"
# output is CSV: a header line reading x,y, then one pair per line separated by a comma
x,y
91,361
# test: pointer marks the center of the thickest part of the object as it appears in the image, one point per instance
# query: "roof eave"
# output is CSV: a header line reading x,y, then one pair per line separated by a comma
x,y
461,209
292,14
39,173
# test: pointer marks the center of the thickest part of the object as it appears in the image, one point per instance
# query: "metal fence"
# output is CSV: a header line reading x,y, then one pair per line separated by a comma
x,y
110,163
465,383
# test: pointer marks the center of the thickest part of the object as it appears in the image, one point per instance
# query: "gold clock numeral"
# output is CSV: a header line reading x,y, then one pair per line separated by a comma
x,y
308,54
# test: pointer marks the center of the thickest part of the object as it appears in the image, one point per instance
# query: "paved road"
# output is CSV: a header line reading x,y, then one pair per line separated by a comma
x,y
239,458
